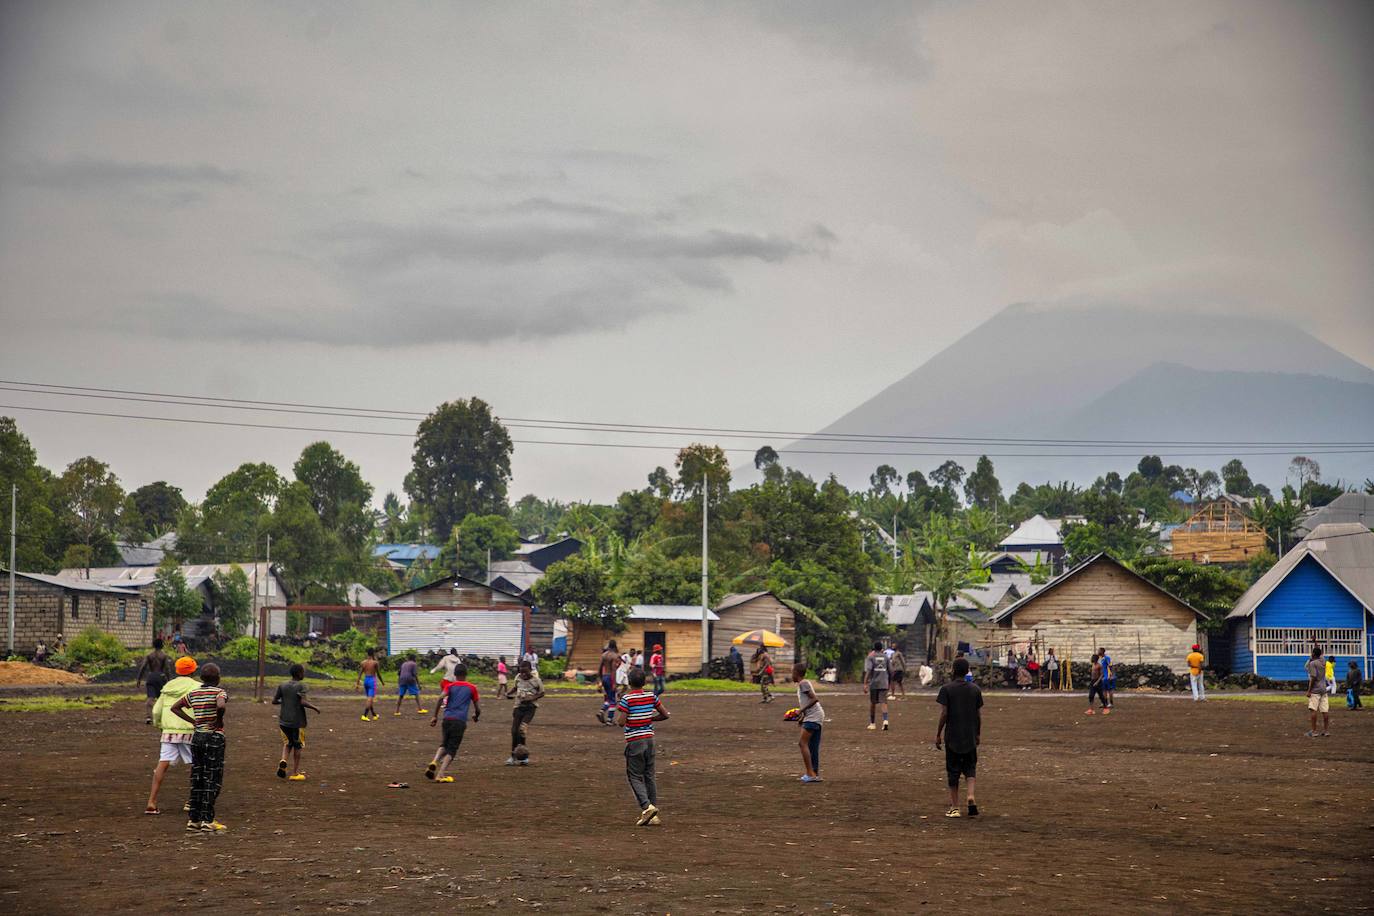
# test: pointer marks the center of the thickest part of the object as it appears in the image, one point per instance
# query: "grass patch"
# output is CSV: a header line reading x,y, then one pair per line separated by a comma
x,y
1299,699
62,704
714,684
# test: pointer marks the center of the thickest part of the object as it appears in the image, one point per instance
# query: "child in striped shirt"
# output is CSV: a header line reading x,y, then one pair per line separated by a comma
x,y
638,710
206,703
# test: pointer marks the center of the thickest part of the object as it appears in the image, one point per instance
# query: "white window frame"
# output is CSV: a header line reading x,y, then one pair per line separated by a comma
x,y
1298,641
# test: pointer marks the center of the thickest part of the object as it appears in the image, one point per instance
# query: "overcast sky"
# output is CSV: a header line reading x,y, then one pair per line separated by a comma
x,y
700,214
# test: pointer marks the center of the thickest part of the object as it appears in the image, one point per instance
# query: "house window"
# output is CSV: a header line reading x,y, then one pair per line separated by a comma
x,y
1301,640
76,607
143,606
98,602
122,610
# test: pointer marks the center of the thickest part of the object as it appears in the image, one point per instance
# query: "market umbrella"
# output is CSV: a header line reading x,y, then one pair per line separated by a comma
x,y
760,638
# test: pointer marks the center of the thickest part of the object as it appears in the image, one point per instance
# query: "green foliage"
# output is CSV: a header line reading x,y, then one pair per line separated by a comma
x,y
466,552
353,642
94,647
91,498
338,493
242,647
234,601
173,600
650,577
1257,566
461,463
535,517
580,589
982,488
705,466
947,571
1209,588
1278,519
229,523
158,505
38,546
309,555
1236,478
551,669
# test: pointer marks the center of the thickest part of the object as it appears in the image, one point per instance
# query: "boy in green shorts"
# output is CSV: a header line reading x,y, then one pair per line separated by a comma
x,y
291,698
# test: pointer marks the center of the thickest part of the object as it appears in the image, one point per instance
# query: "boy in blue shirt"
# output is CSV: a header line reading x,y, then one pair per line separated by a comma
x,y
458,699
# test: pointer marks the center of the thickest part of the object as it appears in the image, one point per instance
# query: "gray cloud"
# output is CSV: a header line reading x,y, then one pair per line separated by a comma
x,y
83,174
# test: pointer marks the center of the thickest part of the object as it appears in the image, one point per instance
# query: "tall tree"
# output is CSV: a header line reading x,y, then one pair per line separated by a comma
x,y
36,549
944,570
535,517
1202,485
234,600
229,524
478,537
882,479
1304,469
982,488
1237,479
703,466
338,492
461,463
159,505
309,556
173,600
92,497
765,458
580,589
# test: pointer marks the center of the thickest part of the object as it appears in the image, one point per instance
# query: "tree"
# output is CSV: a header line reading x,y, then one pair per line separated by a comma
x,y
765,458
882,480
338,492
91,496
943,569
1315,493
652,578
1151,467
476,536
307,553
36,548
1208,588
159,504
635,512
535,517
661,482
1237,479
1304,469
982,488
461,463
1202,485
234,600
703,466
1278,519
580,590
173,600
229,523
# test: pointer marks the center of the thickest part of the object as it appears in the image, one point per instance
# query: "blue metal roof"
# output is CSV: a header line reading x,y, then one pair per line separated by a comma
x,y
404,553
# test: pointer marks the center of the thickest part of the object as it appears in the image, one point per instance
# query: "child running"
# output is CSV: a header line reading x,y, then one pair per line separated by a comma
x,y
610,663
875,682
638,710
408,684
446,665
658,666
290,697
207,703
502,678
458,699
370,676
529,690
155,666
961,726
811,717
1097,687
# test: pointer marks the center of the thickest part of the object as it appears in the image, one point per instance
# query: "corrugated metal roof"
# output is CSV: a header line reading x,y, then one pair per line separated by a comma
x,y
1036,530
149,553
1346,551
454,579
902,610
486,634
1348,508
730,601
669,612
1091,561
407,552
75,585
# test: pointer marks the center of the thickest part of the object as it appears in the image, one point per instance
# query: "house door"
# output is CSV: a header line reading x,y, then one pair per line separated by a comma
x,y
655,638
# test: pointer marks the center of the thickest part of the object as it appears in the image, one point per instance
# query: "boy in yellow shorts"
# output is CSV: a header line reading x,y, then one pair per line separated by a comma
x,y
291,698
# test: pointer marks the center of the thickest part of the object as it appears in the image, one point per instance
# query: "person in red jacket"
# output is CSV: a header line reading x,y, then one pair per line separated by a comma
x,y
658,665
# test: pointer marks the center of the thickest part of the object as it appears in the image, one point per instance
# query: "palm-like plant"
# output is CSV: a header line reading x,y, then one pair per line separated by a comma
x,y
944,571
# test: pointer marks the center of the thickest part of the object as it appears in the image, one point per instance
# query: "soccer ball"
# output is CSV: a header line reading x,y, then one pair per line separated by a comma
x,y
521,752
792,714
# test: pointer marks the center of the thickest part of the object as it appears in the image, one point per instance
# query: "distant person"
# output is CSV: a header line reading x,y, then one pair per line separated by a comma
x,y
369,677
178,642
830,675
1096,687
658,667
291,697
761,667
1023,674
502,677
622,673
1108,677
1354,680
876,682
1318,699
446,665
736,663
532,657
961,725
457,703
207,704
1331,676
174,744
529,690
155,666
40,652
606,671
1194,661
1052,668
408,684
59,646
897,673
637,711
811,718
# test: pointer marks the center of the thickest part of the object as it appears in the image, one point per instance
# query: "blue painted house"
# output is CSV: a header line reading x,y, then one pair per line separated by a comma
x,y
1321,593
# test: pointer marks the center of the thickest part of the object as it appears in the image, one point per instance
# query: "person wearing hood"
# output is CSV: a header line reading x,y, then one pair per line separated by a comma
x,y
175,732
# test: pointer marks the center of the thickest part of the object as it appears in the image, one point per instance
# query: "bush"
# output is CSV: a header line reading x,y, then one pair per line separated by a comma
x,y
243,647
92,647
353,643
551,669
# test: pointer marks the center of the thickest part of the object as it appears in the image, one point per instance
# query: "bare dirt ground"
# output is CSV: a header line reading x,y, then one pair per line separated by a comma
x,y
24,674
1167,806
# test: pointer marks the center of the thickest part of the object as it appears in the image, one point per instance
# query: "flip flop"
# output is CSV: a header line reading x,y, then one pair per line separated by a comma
x,y
398,785
152,812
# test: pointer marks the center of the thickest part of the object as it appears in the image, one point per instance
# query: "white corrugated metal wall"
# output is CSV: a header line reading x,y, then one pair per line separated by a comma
x,y
483,633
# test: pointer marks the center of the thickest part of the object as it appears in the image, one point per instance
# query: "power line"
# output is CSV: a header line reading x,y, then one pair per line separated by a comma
x,y
667,447
629,428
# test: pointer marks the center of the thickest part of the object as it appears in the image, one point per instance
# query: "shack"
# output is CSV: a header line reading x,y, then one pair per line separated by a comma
x,y
471,616
755,611
46,606
675,627
1219,532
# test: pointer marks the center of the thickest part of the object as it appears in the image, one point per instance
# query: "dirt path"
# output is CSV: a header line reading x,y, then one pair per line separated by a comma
x,y
1165,807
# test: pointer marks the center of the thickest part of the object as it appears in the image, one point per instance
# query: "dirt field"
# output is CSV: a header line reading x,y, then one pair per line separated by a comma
x,y
1166,806
23,674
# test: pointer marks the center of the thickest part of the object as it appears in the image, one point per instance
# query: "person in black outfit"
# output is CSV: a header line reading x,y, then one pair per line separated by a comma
x,y
961,725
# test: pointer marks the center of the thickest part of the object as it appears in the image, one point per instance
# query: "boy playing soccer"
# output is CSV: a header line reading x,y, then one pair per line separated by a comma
x,y
408,684
291,698
811,718
529,690
369,676
961,725
454,704
637,712
207,704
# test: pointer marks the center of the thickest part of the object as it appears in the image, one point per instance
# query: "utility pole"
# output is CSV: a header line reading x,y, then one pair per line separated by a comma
x,y
262,630
705,594
14,515
894,538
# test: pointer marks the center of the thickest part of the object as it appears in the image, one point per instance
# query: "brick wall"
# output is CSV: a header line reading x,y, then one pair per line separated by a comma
x,y
41,611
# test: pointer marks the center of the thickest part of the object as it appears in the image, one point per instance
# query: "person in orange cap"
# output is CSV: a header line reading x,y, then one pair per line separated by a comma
x,y
175,740
1195,661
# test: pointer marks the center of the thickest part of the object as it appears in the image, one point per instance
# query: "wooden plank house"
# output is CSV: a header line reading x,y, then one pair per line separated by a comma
x,y
675,627
755,611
